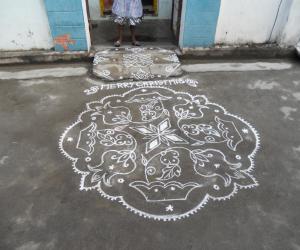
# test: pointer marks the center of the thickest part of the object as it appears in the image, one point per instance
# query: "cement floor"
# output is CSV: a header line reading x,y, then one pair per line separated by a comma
x,y
149,33
42,208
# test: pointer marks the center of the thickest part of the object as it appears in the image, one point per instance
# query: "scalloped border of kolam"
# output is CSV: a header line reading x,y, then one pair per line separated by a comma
x,y
164,217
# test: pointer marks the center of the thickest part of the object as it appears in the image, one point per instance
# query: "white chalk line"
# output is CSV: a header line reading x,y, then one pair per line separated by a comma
x,y
221,67
40,73
98,85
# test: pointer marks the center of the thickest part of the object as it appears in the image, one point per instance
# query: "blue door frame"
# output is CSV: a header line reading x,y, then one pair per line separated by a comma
x,y
69,27
199,23
68,24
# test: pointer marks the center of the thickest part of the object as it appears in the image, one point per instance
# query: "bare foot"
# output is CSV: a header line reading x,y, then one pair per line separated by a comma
x,y
136,43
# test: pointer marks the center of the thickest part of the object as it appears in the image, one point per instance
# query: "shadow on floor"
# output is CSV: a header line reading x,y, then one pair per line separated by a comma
x,y
149,33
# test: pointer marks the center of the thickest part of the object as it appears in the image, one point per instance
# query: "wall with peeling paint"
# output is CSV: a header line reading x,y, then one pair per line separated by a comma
x,y
24,25
68,24
207,23
247,21
291,31
258,21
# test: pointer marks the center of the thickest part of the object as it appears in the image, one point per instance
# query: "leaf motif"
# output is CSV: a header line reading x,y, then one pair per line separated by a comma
x,y
123,157
185,114
144,160
198,143
197,155
177,171
201,157
120,128
210,131
167,174
247,182
106,180
215,132
96,177
89,182
132,156
177,114
238,174
170,172
227,179
193,157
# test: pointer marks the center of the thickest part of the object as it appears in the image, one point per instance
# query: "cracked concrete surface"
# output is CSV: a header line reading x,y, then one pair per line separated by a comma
x,y
42,208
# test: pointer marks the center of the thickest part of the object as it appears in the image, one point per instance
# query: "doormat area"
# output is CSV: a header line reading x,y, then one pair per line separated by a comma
x,y
163,152
136,63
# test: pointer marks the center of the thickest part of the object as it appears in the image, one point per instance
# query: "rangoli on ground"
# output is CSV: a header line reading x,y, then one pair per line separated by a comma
x,y
162,153
136,63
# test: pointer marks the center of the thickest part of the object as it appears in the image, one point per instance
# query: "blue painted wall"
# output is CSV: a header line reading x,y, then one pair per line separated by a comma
x,y
200,22
67,24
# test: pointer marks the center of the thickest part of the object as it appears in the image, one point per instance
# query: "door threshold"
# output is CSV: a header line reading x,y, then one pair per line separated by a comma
x,y
144,45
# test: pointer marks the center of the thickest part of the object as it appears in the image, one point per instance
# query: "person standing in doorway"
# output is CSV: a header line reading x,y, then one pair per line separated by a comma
x,y
128,12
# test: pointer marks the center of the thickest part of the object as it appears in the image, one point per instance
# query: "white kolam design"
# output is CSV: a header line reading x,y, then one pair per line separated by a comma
x,y
136,64
98,86
161,153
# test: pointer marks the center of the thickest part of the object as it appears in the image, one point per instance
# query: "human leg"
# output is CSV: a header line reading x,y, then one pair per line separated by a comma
x,y
133,37
120,35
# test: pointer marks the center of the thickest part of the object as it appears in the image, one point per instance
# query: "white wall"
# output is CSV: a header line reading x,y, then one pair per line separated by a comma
x,y
246,21
258,21
164,11
282,18
291,32
175,17
94,8
24,25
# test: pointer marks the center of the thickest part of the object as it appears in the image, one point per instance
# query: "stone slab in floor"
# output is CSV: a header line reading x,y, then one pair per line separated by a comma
x,y
136,63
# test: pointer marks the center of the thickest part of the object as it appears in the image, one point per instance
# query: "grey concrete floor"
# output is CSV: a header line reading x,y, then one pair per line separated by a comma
x,y
42,208
149,33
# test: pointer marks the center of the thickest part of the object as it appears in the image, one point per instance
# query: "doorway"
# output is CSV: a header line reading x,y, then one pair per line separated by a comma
x,y
157,29
150,7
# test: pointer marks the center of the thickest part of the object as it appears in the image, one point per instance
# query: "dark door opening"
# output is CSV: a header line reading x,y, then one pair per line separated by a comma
x,y
157,29
150,7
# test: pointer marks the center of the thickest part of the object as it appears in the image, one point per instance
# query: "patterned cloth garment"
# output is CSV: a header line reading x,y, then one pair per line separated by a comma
x,y
127,12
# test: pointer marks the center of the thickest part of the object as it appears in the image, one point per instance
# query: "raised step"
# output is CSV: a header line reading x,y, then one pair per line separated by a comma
x,y
136,63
